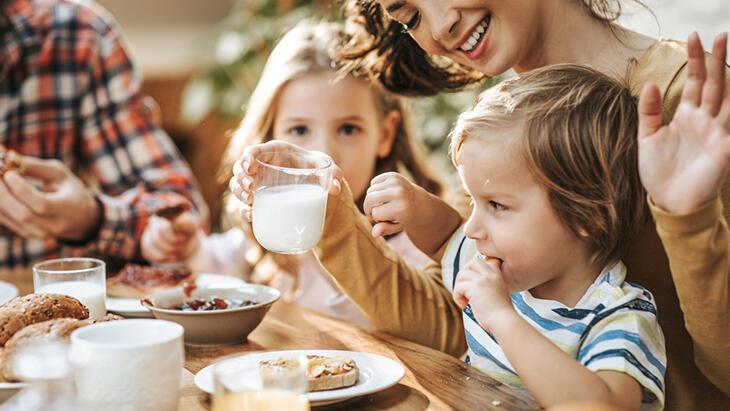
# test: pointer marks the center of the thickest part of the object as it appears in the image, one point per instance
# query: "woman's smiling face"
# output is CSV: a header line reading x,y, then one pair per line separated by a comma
x,y
490,36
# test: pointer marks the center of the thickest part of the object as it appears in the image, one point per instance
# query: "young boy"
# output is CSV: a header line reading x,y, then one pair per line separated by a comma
x,y
549,159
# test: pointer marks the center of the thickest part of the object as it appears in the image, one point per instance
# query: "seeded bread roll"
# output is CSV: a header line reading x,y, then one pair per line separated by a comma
x,y
58,329
34,308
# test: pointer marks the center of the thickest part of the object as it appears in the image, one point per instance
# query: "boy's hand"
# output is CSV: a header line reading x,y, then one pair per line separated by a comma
x,y
391,203
395,204
682,165
480,285
245,171
165,241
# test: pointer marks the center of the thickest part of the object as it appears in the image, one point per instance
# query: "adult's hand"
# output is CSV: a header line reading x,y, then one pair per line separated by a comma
x,y
682,164
63,207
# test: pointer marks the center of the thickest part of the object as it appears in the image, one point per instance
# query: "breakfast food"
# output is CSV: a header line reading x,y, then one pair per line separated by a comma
x,y
9,160
323,372
139,281
51,330
212,304
29,309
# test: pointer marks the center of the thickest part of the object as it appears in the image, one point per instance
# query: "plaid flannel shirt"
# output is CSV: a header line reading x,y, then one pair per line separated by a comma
x,y
69,91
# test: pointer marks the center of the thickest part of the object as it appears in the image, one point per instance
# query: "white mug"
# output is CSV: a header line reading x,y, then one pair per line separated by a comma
x,y
130,365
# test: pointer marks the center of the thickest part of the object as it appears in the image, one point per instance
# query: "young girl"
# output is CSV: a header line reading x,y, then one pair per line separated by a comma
x,y
300,99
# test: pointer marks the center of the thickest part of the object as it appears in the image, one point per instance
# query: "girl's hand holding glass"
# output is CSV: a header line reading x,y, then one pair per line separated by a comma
x,y
284,190
245,171
682,165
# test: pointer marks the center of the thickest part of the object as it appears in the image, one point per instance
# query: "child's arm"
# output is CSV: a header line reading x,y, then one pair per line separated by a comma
x,y
223,253
184,241
682,167
552,376
165,241
395,204
549,374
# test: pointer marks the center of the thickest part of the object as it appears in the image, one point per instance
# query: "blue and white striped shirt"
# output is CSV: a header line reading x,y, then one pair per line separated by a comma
x,y
612,327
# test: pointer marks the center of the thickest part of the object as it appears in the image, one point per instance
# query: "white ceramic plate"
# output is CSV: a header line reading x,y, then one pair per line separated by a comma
x,y
7,292
131,307
376,373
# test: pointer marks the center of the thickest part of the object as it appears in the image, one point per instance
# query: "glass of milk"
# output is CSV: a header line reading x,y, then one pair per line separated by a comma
x,y
81,278
241,384
290,200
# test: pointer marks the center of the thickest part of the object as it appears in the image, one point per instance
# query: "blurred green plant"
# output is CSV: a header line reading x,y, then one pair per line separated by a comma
x,y
245,39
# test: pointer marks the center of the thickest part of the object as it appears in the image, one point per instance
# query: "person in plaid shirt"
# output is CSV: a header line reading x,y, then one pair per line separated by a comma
x,y
96,163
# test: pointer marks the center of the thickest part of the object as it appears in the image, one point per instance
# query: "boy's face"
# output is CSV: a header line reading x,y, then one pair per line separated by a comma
x,y
513,220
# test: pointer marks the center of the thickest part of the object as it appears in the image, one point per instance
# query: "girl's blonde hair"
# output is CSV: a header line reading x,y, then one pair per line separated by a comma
x,y
577,134
306,49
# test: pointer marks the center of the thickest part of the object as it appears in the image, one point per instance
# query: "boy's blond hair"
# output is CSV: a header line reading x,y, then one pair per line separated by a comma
x,y
577,135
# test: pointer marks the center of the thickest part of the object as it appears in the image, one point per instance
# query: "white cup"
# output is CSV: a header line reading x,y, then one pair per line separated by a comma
x,y
129,365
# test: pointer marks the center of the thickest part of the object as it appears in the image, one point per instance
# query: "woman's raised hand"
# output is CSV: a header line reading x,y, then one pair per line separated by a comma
x,y
682,165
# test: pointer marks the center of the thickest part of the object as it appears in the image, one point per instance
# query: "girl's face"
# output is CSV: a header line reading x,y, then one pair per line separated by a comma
x,y
489,36
340,119
512,219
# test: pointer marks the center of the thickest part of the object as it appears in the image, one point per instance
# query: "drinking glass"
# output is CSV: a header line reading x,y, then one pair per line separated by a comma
x,y
81,278
290,201
240,386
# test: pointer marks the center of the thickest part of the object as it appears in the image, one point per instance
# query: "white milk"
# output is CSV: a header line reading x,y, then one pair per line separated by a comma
x,y
92,295
289,218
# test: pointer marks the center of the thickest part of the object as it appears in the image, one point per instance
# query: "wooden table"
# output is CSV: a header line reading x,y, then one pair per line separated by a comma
x,y
433,380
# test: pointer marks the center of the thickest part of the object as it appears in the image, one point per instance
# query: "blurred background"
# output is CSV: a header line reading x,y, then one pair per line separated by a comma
x,y
201,59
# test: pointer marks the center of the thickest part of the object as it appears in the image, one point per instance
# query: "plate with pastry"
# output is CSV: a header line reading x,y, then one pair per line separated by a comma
x,y
136,282
333,375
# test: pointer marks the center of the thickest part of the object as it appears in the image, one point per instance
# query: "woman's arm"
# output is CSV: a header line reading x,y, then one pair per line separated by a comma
x,y
683,167
397,298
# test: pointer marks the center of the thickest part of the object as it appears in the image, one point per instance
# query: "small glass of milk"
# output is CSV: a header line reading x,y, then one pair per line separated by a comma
x,y
81,278
290,200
